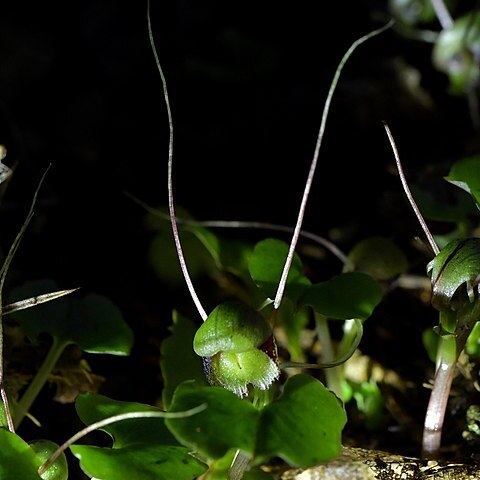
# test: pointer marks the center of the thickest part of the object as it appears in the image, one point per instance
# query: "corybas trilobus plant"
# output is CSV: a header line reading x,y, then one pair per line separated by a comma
x,y
454,274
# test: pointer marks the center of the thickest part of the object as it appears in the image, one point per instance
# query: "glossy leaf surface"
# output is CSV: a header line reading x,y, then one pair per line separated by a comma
x,y
465,174
17,459
304,426
228,422
456,266
142,447
266,266
146,462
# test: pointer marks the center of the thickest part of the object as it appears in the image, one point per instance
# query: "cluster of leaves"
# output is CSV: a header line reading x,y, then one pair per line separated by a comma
x,y
275,415
291,407
230,367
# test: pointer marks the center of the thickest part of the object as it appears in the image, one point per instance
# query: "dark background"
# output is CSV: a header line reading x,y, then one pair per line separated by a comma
x,y
247,82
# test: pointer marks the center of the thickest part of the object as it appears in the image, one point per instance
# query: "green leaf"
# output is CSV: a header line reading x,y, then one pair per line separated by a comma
x,y
163,258
430,340
44,318
17,459
145,462
304,426
94,323
266,267
465,174
346,296
456,52
142,447
293,322
456,266
472,346
379,257
370,402
94,407
228,422
453,206
178,360
234,256
219,469
43,449
413,12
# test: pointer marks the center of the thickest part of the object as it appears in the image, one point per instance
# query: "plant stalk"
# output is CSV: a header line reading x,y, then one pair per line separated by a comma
x,y
449,350
39,380
332,375
437,404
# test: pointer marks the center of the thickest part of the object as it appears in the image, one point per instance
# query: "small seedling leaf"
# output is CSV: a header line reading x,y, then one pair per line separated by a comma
x,y
227,422
266,267
17,459
303,426
346,296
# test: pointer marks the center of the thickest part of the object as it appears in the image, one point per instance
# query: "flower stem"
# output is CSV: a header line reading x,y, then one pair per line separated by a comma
x,y
450,347
437,404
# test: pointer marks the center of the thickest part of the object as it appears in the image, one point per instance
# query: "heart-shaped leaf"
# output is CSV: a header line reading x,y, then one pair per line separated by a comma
x,y
228,422
379,257
266,267
146,462
142,447
304,426
17,459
